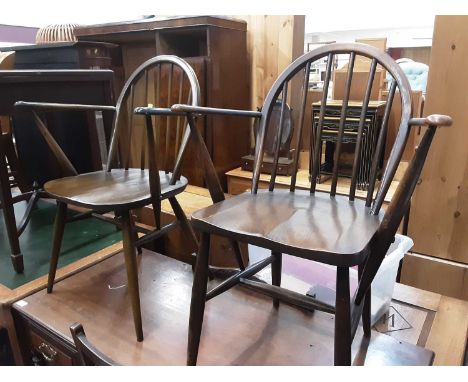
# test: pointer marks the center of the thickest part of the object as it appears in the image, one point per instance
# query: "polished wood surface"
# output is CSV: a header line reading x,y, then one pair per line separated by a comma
x,y
108,190
259,334
335,232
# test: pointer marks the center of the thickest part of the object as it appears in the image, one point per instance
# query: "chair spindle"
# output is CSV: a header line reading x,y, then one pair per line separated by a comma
x,y
341,127
279,136
380,144
318,132
357,151
305,90
130,126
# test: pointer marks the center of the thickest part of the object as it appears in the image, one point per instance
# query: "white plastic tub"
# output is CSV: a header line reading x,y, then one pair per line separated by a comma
x,y
302,274
385,279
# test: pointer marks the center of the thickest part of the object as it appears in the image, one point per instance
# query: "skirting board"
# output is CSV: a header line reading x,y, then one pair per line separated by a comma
x,y
436,275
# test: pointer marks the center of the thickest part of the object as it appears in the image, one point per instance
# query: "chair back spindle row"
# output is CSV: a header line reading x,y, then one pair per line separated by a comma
x,y
369,143
159,82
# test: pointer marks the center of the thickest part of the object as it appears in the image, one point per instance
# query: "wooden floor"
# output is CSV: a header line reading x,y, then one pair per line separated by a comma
x,y
241,328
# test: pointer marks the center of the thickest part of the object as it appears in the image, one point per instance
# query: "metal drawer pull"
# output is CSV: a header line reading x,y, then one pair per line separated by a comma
x,y
47,351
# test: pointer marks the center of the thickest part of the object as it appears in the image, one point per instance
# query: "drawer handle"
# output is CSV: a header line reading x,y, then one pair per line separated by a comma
x,y
47,351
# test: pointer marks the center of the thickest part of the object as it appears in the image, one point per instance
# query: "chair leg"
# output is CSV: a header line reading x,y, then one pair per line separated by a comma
x,y
59,227
366,314
276,266
135,233
197,305
342,318
9,212
132,271
182,218
366,310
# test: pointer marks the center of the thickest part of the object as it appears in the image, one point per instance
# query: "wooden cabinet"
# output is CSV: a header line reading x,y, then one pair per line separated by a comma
x,y
217,50
63,55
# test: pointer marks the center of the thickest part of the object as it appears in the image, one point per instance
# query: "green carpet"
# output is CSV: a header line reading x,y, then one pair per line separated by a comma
x,y
81,239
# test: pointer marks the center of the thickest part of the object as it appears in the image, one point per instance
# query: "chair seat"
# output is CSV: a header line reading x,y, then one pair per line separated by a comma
x,y
313,226
103,191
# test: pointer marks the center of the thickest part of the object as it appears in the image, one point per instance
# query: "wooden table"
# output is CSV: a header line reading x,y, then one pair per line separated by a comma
x,y
258,334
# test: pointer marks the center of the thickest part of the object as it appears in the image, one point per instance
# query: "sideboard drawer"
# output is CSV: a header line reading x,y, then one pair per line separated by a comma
x,y
41,347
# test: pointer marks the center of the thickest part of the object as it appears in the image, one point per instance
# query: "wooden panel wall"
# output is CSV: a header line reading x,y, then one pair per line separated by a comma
x,y
273,42
439,213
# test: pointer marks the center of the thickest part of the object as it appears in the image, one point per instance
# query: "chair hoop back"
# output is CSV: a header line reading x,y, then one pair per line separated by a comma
x,y
128,92
303,64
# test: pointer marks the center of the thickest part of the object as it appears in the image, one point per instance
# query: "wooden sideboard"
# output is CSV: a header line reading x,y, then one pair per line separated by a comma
x,y
216,48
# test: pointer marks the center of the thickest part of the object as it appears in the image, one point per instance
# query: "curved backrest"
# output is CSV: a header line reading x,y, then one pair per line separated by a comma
x,y
299,71
88,354
159,82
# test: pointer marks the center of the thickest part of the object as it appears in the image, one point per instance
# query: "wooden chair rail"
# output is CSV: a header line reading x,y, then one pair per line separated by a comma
x,y
215,111
50,106
88,354
438,120
157,111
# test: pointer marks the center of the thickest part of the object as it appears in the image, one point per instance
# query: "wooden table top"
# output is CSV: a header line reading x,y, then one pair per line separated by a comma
x,y
240,327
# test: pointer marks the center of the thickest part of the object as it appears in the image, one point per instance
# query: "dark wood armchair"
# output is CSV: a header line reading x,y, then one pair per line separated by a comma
x,y
334,229
132,179
87,352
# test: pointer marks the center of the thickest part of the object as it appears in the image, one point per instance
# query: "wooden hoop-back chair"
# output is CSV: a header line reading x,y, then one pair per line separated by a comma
x,y
87,352
334,229
120,188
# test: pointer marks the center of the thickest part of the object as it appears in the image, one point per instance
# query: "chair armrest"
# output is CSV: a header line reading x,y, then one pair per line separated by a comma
x,y
48,106
157,111
438,120
214,111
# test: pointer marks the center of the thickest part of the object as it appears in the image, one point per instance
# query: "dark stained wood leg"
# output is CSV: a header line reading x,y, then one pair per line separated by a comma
x,y
9,212
59,227
197,305
132,271
276,266
366,314
237,252
342,318
182,218
366,311
135,233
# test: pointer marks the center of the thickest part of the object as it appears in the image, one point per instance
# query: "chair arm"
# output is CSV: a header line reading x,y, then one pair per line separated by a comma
x,y
214,111
48,106
157,111
438,120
